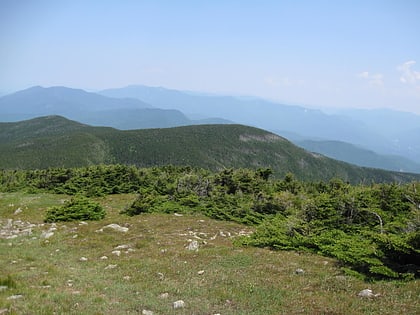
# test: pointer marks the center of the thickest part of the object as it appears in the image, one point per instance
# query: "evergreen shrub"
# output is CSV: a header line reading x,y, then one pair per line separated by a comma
x,y
79,208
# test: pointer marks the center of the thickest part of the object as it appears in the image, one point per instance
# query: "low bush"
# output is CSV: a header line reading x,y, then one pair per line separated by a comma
x,y
79,208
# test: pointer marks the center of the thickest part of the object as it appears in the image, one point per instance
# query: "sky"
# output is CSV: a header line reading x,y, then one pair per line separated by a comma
x,y
325,54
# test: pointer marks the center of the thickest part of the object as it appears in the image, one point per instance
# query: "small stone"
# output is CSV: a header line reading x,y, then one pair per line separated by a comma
x,y
116,252
193,245
83,259
15,297
164,295
299,271
368,293
116,227
104,258
18,210
127,278
83,223
201,272
178,215
125,246
47,234
146,312
110,267
75,236
178,304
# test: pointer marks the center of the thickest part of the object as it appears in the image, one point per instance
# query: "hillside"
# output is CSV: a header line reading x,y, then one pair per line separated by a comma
x,y
54,141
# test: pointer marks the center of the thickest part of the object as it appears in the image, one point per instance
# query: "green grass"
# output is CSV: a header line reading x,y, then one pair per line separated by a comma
x,y
51,278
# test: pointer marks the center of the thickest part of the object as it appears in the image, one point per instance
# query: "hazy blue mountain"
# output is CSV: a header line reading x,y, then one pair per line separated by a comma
x,y
401,128
91,108
385,121
61,100
355,155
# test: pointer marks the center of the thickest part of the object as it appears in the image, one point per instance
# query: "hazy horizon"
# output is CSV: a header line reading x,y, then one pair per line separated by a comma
x,y
318,54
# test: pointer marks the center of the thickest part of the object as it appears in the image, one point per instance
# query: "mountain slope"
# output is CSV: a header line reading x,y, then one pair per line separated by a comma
x,y
355,155
210,146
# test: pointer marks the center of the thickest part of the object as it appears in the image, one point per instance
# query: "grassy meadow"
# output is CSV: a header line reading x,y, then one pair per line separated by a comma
x,y
149,267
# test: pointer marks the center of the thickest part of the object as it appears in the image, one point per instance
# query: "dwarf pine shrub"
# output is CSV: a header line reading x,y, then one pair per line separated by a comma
x,y
79,208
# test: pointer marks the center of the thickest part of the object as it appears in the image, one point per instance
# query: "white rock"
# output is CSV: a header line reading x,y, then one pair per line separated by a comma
x,y
116,252
201,272
299,271
164,295
18,210
9,224
126,277
146,312
47,234
15,297
116,227
193,245
110,267
104,258
83,259
368,293
125,246
178,304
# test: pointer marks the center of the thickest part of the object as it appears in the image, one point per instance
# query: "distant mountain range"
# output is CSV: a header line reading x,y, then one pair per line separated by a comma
x,y
353,154
91,108
54,141
351,135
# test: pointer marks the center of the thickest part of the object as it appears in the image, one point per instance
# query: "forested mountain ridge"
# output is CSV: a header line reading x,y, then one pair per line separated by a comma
x,y
54,141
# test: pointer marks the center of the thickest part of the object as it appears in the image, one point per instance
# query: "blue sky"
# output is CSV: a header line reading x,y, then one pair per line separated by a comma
x,y
314,53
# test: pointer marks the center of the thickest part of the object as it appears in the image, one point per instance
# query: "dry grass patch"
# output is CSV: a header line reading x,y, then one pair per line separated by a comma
x,y
153,269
